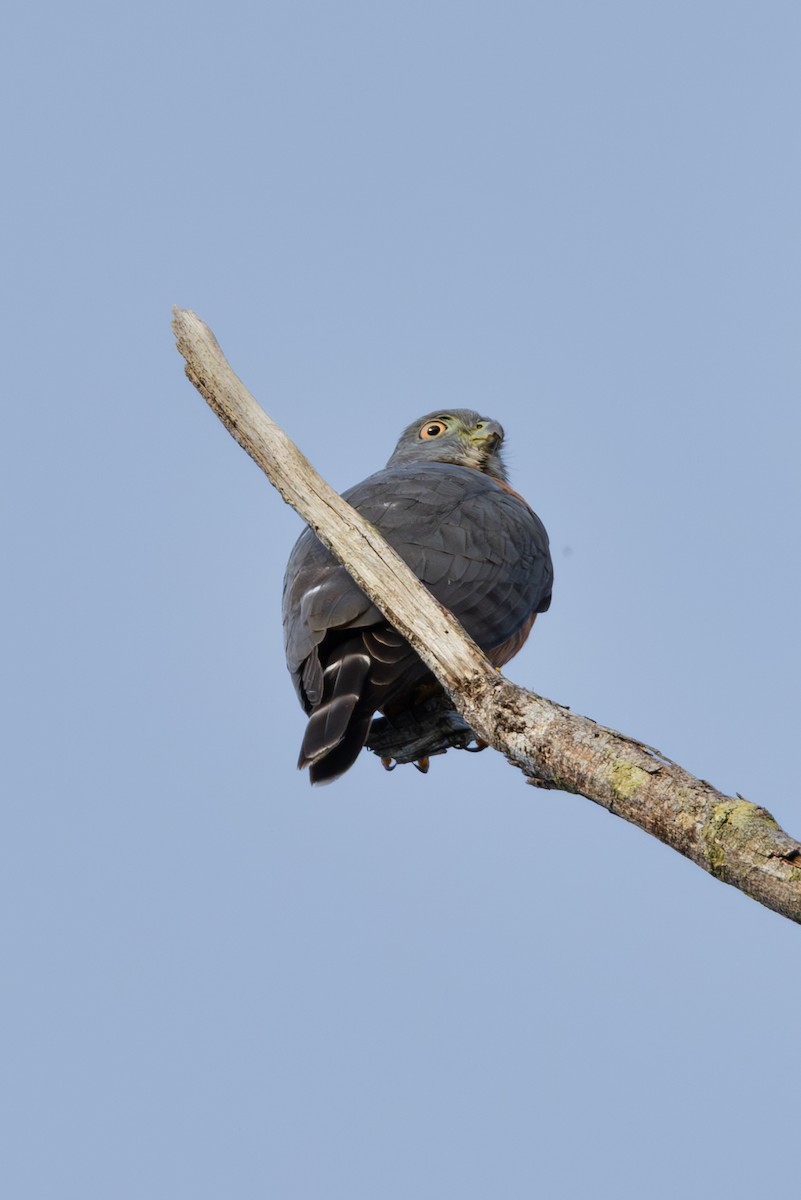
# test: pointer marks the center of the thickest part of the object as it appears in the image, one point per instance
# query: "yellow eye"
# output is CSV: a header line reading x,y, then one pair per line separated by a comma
x,y
433,429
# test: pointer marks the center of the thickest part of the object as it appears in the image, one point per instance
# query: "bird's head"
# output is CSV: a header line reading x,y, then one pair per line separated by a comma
x,y
458,436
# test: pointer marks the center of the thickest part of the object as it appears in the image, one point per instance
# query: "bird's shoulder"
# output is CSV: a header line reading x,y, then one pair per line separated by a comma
x,y
431,492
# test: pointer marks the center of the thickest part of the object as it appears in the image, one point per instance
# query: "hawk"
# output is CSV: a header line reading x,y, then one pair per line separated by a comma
x,y
444,503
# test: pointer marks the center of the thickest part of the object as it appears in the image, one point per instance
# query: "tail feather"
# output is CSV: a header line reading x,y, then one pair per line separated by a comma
x,y
343,683
343,756
360,675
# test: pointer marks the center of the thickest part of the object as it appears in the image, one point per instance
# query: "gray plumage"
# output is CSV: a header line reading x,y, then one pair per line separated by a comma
x,y
443,503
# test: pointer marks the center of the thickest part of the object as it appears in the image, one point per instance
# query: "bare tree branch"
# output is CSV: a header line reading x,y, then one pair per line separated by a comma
x,y
736,841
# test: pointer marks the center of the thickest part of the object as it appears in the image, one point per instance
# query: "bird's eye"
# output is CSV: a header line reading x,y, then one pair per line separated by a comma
x,y
433,429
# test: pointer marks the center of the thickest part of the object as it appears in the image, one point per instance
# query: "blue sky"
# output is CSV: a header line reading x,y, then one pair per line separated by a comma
x,y
581,219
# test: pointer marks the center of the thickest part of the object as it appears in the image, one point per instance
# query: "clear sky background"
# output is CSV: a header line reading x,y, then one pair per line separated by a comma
x,y
582,219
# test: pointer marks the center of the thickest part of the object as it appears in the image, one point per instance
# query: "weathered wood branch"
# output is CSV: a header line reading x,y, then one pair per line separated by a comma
x,y
736,841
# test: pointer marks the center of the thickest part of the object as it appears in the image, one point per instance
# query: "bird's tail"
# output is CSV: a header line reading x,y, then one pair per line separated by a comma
x,y
362,674
337,729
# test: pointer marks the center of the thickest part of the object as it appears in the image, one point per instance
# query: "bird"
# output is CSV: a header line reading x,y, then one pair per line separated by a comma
x,y
444,503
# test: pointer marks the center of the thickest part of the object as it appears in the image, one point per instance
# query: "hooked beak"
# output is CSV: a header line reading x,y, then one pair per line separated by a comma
x,y
488,435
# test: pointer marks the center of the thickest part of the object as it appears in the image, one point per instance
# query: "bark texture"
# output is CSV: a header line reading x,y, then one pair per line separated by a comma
x,y
736,841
